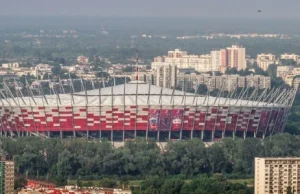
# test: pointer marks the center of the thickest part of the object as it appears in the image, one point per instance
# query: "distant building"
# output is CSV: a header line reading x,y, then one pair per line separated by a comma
x,y
265,60
222,82
10,65
236,57
147,77
294,57
216,61
166,76
275,175
201,63
283,70
219,60
82,59
7,177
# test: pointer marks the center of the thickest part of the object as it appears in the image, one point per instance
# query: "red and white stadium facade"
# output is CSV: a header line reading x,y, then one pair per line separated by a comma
x,y
137,109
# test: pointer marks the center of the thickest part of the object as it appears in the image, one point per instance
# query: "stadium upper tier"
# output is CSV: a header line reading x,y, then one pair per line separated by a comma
x,y
139,93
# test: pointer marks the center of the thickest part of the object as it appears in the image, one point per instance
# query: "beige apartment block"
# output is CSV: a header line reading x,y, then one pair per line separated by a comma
x,y
275,175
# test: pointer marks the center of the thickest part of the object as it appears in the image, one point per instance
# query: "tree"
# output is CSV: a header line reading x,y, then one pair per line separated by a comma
x,y
56,70
129,69
109,183
216,158
287,62
289,190
20,182
102,74
202,89
231,71
172,186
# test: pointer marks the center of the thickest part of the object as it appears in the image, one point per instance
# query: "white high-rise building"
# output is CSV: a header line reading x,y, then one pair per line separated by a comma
x,y
236,57
218,59
294,57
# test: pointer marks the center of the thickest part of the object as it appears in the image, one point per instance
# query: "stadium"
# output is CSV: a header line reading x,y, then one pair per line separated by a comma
x,y
137,109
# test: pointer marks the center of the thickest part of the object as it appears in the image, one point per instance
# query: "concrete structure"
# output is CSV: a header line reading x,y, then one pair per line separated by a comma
x,y
7,177
137,109
274,175
166,76
265,60
236,57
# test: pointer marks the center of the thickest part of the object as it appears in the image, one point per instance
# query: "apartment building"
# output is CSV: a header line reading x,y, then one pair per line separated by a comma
x,y
166,76
275,175
222,82
215,61
236,57
291,56
7,177
265,60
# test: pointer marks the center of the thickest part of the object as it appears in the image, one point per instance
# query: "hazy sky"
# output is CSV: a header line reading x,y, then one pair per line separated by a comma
x,y
152,8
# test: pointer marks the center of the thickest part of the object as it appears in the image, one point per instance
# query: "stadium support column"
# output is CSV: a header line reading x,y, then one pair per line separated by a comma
x,y
57,106
228,110
100,108
4,97
240,108
160,102
72,104
171,102
262,108
250,113
195,98
44,98
148,102
279,101
86,111
136,107
112,114
288,104
2,126
273,98
218,98
124,108
207,105
183,101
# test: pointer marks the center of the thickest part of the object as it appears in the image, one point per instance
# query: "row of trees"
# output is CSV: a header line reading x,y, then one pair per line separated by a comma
x,y
199,185
63,159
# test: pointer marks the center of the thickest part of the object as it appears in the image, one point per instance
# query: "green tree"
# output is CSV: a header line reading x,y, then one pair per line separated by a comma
x,y
202,89
172,186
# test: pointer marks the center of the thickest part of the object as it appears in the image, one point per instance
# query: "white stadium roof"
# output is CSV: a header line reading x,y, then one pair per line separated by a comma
x,y
126,94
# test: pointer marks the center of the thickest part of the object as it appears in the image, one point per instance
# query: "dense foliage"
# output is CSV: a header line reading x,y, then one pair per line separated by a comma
x,y
73,159
199,185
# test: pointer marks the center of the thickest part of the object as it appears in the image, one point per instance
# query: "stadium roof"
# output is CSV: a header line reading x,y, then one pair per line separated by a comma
x,y
127,94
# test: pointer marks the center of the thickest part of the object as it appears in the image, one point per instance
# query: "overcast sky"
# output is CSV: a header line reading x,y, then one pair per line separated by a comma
x,y
152,8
